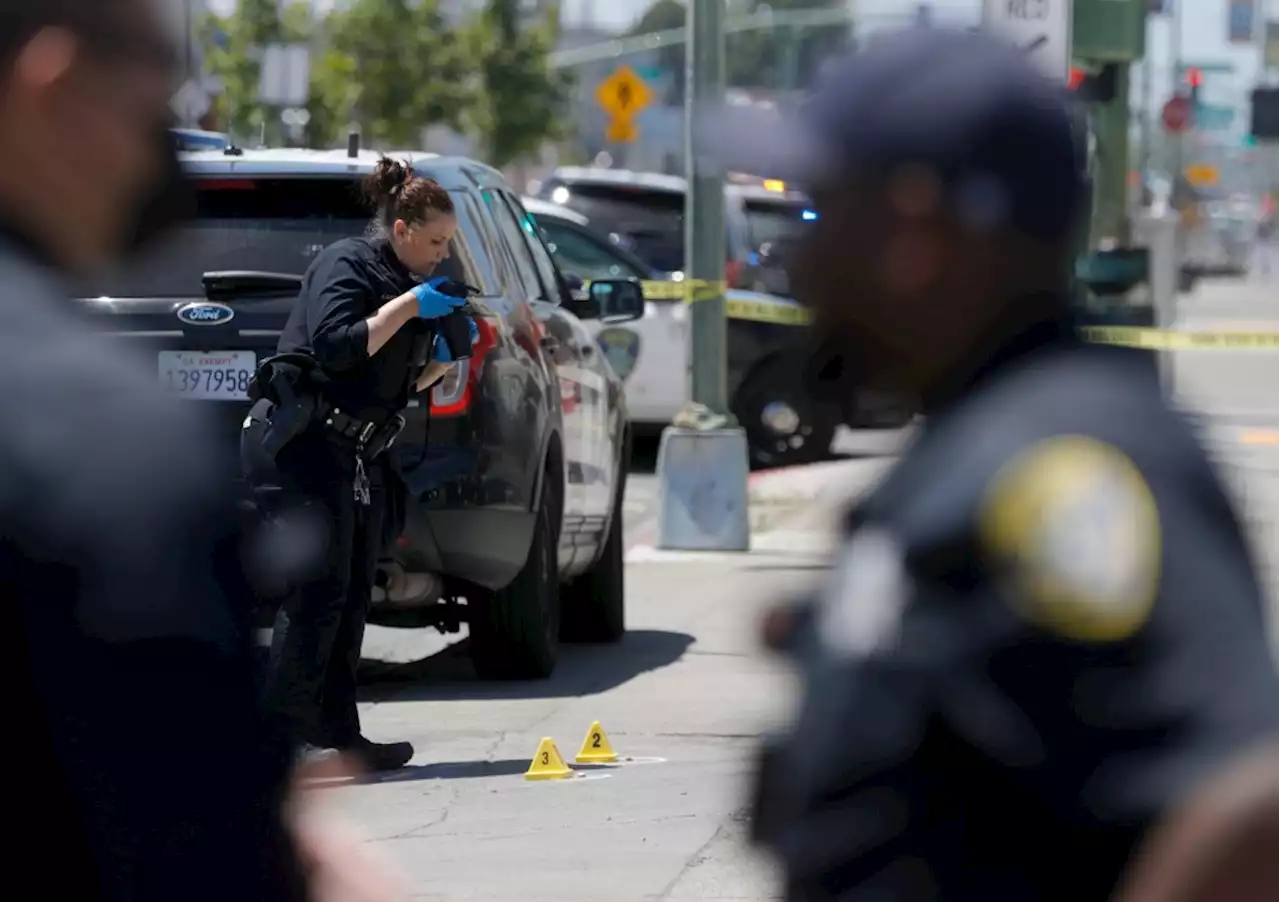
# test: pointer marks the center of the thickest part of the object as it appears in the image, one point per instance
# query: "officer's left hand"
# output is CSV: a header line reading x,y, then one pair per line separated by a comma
x,y
432,304
440,349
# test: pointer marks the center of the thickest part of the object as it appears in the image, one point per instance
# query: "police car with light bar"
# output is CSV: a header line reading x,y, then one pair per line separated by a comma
x,y
765,348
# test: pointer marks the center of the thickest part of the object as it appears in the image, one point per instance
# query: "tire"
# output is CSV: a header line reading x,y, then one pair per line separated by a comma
x,y
594,604
515,634
775,384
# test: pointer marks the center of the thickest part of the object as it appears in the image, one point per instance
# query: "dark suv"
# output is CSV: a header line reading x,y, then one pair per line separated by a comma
x,y
513,466
644,213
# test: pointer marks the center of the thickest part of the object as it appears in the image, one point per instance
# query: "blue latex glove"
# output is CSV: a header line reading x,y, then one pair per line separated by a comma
x,y
431,303
440,348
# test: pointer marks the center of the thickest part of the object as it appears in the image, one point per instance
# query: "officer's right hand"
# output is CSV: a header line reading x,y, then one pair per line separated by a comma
x,y
432,304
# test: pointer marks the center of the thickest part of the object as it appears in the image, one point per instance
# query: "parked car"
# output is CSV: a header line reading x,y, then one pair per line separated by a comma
x,y
765,352
514,465
645,213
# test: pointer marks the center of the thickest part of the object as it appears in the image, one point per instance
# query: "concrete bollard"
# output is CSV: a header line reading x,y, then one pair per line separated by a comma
x,y
702,490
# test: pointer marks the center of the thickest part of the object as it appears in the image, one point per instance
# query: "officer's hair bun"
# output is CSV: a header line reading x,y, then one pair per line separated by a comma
x,y
399,193
386,180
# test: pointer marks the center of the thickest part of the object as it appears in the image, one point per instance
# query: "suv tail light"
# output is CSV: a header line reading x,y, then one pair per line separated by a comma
x,y
732,272
452,395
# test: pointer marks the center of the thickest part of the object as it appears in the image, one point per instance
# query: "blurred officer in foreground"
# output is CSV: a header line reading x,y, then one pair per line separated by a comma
x,y
367,330
146,772
1220,844
1043,629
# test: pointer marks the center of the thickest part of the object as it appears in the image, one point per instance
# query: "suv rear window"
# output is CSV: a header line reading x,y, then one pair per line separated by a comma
x,y
272,224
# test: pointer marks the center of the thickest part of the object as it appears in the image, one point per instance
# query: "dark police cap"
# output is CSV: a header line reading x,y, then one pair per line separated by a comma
x,y
999,135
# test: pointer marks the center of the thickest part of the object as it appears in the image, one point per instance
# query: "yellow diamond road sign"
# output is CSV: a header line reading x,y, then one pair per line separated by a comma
x,y
621,131
623,94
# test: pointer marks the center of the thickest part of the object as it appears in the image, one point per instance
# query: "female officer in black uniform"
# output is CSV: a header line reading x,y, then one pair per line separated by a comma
x,y
362,311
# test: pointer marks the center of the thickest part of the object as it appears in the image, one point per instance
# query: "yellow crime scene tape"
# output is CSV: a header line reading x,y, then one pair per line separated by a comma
x,y
786,312
1170,340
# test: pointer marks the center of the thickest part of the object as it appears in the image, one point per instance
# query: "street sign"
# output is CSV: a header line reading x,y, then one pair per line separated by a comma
x,y
1176,114
284,75
1219,67
623,94
1042,28
1110,31
1214,118
1202,175
621,131
190,102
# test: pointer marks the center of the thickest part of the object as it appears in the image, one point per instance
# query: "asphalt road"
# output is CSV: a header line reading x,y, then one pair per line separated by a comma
x,y
685,696
1236,395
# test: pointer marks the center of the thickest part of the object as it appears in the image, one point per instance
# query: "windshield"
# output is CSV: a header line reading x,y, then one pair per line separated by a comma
x,y
649,222
271,224
774,221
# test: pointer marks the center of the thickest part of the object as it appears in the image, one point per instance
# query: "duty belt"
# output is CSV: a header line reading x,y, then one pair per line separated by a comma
x,y
371,439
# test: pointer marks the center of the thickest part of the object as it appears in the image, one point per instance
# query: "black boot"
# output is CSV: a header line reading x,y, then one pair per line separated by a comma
x,y
380,757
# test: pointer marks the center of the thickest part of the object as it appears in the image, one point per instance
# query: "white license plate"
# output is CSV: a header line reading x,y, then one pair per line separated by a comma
x,y
208,375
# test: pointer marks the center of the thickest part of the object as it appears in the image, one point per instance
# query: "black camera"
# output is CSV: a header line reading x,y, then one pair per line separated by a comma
x,y
455,327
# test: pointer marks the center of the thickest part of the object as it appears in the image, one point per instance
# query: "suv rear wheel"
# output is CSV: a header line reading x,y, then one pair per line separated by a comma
x,y
515,634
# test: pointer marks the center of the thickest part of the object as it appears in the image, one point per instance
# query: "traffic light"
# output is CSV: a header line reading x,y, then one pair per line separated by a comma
x,y
1195,78
1094,87
1263,104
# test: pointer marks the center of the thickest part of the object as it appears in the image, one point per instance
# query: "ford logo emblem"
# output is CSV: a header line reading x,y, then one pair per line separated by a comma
x,y
204,314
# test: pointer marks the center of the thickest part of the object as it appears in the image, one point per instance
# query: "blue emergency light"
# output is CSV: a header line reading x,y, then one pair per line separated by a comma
x,y
809,215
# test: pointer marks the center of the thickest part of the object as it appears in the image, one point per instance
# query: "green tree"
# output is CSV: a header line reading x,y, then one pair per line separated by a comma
x,y
665,15
523,99
781,58
393,67
231,50
772,58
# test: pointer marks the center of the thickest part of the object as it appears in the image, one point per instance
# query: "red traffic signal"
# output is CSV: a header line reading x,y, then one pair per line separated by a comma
x,y
1195,78
1075,77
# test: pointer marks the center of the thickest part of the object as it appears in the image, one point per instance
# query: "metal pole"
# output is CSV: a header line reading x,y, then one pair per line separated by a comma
x,y
703,459
704,240
1175,82
1111,190
1148,114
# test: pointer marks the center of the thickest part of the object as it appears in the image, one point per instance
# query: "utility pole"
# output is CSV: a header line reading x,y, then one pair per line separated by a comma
x,y
1111,206
704,244
702,460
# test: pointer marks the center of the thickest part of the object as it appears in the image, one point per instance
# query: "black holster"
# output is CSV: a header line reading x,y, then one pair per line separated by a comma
x,y
285,391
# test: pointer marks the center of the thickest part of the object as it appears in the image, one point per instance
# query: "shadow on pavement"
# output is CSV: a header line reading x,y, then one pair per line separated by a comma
x,y
582,670
451,770
464,770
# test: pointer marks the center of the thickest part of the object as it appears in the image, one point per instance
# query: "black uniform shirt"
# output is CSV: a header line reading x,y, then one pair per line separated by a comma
x,y
128,666
1043,630
346,284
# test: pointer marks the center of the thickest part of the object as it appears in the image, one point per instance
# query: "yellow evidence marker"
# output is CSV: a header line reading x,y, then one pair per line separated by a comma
x,y
548,763
595,747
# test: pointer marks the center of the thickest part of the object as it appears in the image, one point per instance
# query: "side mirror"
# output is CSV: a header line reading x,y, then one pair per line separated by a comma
x,y
574,284
615,300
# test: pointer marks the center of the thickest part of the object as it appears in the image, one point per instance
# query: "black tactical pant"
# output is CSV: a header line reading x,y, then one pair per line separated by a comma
x,y
319,630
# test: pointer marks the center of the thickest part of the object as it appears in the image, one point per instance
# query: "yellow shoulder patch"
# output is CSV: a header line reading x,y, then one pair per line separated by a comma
x,y
1073,528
